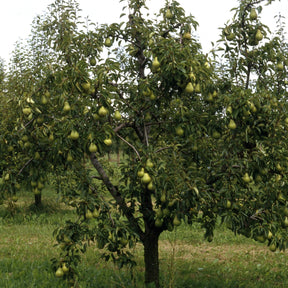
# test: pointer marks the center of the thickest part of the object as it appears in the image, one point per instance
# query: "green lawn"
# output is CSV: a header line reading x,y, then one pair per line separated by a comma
x,y
186,260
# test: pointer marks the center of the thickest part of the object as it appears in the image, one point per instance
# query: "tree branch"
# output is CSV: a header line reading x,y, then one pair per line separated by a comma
x,y
116,195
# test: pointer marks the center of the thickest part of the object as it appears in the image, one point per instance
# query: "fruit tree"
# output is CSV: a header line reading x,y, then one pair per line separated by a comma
x,y
203,137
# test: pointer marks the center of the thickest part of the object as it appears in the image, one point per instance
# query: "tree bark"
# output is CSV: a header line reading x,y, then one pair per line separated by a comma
x,y
38,200
151,259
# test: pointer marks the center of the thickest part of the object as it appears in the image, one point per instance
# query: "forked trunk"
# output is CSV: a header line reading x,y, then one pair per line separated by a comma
x,y
151,258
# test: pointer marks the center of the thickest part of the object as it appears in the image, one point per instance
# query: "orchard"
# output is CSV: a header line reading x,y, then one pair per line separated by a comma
x,y
204,137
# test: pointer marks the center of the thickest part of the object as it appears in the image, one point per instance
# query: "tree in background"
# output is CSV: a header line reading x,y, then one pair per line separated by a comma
x,y
202,138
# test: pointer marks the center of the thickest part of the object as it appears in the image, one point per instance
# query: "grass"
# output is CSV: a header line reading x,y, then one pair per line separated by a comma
x,y
186,259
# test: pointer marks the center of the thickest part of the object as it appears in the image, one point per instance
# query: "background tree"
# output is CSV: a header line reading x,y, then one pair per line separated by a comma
x,y
200,140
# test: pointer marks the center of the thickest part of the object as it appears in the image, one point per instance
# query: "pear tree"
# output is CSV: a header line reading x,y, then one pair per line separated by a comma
x,y
202,137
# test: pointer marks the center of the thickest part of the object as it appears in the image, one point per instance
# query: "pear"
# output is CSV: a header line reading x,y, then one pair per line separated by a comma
x,y
140,173
176,221
102,111
259,35
229,109
158,222
66,107
168,14
197,88
232,125
253,14
108,42
59,272
216,134
74,135
155,64
65,268
96,213
189,88
92,148
117,115
152,96
228,204
230,36
88,214
151,186
26,110
108,142
92,61
280,66
69,157
270,235
187,36
86,86
146,179
149,163
246,178
179,131
44,100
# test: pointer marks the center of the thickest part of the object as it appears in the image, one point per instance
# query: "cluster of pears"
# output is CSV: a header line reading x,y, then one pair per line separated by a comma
x,y
37,185
145,177
64,269
164,212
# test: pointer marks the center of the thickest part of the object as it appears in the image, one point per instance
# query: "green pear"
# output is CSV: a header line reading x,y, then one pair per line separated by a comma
x,y
74,135
232,125
168,14
246,178
146,179
117,116
108,42
59,272
140,173
189,88
176,221
102,111
179,131
92,148
155,64
253,14
66,107
259,35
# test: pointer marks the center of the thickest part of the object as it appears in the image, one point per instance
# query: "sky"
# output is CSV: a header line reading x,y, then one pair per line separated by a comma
x,y
16,17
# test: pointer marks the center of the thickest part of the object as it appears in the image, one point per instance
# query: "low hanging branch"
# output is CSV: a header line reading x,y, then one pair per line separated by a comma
x,y
116,195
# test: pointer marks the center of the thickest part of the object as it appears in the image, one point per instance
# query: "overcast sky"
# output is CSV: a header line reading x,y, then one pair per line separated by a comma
x,y
16,16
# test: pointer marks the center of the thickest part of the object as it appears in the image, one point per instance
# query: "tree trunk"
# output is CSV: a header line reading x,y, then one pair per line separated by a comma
x,y
151,259
38,201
